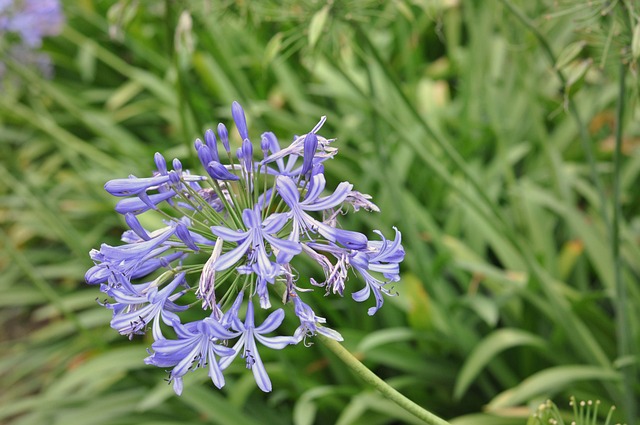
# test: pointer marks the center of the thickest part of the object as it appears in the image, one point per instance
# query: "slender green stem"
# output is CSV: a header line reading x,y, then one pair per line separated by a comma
x,y
622,320
375,381
369,377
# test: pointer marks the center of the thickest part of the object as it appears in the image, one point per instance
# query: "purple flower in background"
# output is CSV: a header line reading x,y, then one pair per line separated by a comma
x,y
28,22
231,239
32,20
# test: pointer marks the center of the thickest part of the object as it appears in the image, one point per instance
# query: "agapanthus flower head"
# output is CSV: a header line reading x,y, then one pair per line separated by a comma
x,y
227,252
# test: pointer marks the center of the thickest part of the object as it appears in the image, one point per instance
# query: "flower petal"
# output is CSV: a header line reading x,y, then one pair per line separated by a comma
x,y
220,172
274,223
286,248
288,191
349,239
230,258
331,201
276,342
138,206
257,367
241,122
310,147
228,234
133,186
271,323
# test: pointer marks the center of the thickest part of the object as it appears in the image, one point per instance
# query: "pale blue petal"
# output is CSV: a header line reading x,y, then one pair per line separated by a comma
x,y
329,333
228,234
215,373
274,223
177,385
285,246
362,295
215,329
271,322
133,186
276,342
237,348
257,367
316,186
138,206
288,191
230,258
331,201
348,238
251,218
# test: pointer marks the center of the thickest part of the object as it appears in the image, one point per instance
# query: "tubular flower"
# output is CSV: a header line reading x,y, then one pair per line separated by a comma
x,y
231,239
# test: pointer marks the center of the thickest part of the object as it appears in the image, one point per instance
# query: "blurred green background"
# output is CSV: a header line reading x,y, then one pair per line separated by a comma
x,y
484,130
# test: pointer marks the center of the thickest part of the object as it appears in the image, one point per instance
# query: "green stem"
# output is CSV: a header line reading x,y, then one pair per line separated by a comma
x,y
375,381
622,332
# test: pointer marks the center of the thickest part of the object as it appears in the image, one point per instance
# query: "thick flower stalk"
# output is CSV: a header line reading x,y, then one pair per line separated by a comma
x,y
231,233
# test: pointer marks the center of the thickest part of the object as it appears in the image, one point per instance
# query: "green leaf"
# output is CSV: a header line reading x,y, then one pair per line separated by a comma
x,y
550,381
488,349
305,408
569,53
317,24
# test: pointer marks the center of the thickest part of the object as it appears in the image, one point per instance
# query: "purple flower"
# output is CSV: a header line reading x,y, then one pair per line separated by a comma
x,y
241,122
303,222
309,151
252,242
220,172
237,230
197,345
248,334
379,256
207,283
361,200
134,185
323,149
132,313
140,205
310,324
32,19
224,137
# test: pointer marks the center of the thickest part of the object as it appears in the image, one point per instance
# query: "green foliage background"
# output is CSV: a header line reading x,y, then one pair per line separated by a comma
x,y
520,222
